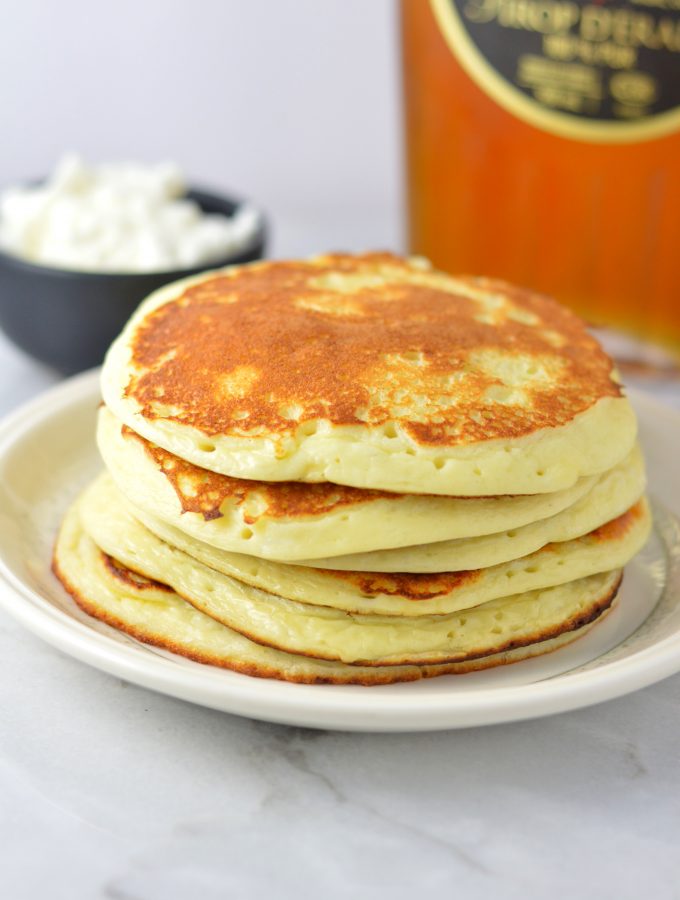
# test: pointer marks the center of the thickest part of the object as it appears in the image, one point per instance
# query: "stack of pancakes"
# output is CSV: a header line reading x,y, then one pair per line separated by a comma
x,y
355,469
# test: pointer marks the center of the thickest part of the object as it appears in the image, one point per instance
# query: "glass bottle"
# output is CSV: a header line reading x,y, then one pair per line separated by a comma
x,y
543,147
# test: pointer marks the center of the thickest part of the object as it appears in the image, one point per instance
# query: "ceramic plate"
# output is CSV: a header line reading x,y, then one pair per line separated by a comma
x,y
47,454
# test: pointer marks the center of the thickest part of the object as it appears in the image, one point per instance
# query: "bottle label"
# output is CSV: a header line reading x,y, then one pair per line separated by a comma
x,y
595,70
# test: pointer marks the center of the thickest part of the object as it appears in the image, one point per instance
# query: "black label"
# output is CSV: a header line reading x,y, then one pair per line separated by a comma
x,y
607,70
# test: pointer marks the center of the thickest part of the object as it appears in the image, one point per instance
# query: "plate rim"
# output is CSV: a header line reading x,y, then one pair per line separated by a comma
x,y
316,706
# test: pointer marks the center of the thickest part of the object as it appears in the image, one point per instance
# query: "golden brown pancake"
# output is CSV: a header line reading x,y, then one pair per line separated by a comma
x,y
152,613
547,592
282,520
370,371
291,336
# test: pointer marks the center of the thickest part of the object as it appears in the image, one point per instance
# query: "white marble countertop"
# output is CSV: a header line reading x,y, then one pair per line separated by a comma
x,y
110,791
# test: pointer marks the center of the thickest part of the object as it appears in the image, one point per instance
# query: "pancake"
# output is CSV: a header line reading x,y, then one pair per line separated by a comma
x,y
290,520
327,632
250,583
613,493
153,613
370,371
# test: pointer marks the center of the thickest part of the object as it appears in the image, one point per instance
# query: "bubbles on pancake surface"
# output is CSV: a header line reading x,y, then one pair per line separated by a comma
x,y
293,370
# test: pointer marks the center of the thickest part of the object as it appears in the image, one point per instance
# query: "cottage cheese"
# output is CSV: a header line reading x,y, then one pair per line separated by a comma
x,y
118,217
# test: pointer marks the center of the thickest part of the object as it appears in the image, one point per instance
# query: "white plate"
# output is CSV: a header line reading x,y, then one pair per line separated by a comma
x,y
47,454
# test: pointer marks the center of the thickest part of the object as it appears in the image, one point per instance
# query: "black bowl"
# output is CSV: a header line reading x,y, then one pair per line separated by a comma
x,y
67,318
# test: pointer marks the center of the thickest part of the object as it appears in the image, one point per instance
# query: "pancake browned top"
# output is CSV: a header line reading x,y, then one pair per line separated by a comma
x,y
356,340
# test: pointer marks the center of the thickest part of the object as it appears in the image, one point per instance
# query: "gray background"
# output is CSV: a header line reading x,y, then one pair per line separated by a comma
x,y
294,103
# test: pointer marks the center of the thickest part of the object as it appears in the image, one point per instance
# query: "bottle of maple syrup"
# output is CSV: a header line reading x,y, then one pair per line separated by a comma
x,y
543,147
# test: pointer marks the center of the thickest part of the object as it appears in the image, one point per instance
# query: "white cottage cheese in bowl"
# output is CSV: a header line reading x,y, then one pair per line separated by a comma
x,y
118,217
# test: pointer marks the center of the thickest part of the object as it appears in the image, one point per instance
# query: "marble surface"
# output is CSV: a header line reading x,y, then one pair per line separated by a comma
x,y
110,791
